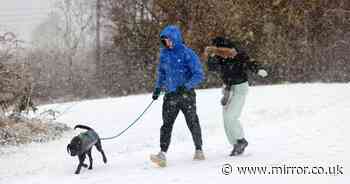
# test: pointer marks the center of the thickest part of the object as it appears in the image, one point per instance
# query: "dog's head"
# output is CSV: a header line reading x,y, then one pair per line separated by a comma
x,y
74,147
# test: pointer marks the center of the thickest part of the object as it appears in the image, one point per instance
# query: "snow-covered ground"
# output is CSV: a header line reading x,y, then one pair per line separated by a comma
x,y
292,125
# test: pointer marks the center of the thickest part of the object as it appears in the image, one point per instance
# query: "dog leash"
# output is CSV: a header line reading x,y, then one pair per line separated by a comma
x,y
132,124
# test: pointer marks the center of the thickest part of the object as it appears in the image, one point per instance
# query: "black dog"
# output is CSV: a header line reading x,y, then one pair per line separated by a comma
x,y
82,144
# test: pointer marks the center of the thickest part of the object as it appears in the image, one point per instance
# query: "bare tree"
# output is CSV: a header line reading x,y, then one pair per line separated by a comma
x,y
63,51
78,17
15,80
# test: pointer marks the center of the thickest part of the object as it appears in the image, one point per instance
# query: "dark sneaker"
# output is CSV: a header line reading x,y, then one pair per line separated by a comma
x,y
239,147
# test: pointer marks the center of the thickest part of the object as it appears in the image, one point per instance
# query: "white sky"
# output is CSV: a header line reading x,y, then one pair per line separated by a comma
x,y
21,16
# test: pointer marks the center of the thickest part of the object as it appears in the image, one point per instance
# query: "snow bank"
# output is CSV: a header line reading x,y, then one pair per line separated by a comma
x,y
292,125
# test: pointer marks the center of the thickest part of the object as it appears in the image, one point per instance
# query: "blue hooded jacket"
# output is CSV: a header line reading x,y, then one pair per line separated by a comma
x,y
180,65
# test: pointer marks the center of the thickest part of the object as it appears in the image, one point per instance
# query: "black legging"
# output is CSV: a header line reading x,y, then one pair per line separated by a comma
x,y
172,105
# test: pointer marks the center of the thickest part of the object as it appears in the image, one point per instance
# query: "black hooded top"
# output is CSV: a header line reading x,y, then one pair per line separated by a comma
x,y
232,70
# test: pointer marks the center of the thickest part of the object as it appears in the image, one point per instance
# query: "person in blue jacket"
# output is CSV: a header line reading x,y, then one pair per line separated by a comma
x,y
179,72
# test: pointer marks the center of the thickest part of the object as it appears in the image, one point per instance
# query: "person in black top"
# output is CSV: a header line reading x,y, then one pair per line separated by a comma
x,y
233,64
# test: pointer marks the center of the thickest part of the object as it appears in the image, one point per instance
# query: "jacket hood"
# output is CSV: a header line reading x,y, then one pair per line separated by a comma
x,y
174,34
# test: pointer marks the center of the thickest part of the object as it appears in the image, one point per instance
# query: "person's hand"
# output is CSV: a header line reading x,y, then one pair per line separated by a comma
x,y
262,73
156,93
210,51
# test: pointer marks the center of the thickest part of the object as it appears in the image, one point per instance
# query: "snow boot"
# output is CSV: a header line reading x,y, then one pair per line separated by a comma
x,y
239,147
198,155
159,159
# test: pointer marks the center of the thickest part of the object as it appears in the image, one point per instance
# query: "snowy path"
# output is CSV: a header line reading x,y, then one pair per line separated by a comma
x,y
295,125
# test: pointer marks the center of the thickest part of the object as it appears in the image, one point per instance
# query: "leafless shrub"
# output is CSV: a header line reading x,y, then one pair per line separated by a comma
x,y
15,80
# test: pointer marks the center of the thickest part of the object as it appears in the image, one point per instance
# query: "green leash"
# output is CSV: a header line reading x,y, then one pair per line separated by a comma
x,y
132,124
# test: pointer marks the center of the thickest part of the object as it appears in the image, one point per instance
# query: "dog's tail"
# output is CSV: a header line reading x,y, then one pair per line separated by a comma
x,y
83,127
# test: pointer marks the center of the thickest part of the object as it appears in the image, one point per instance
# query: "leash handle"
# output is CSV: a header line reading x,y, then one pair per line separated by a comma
x,y
132,124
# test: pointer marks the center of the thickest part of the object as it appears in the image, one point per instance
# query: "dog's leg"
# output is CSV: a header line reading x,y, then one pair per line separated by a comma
x,y
99,148
81,163
90,158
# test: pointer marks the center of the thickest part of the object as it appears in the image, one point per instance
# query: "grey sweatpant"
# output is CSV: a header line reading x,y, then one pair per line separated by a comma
x,y
232,112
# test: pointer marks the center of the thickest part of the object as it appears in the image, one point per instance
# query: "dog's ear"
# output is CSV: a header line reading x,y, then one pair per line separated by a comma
x,y
68,148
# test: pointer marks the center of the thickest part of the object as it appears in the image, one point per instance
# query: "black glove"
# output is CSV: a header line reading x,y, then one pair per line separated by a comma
x,y
181,90
156,93
226,96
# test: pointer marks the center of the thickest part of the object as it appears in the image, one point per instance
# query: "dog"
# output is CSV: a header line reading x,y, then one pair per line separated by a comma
x,y
82,144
